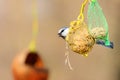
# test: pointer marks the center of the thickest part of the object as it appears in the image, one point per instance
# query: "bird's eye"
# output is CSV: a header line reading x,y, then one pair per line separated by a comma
x,y
61,31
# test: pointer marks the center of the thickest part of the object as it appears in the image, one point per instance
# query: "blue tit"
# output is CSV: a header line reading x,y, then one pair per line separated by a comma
x,y
65,30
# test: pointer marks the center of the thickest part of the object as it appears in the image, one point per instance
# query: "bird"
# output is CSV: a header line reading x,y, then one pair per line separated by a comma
x,y
65,30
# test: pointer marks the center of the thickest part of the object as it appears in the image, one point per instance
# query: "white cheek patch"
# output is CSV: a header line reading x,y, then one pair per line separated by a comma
x,y
65,32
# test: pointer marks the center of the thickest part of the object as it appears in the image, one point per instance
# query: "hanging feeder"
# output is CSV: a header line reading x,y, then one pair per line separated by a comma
x,y
78,38
28,65
97,23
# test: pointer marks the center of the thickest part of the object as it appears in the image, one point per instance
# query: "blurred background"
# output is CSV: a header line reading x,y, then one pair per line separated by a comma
x,y
16,33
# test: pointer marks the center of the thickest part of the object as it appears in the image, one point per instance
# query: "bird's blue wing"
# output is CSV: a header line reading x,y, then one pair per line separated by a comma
x,y
101,42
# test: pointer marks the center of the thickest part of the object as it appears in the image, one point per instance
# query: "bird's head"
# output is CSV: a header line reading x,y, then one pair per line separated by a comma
x,y
63,32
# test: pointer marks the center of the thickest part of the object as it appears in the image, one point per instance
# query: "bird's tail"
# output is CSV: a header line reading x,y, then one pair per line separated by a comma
x,y
101,42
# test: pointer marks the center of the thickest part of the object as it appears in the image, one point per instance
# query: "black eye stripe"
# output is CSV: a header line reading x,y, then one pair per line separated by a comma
x,y
61,31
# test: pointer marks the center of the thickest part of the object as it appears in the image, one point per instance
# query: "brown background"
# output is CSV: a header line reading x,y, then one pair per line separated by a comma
x,y
15,35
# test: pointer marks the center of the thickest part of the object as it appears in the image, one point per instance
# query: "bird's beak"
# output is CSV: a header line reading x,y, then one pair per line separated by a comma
x,y
61,35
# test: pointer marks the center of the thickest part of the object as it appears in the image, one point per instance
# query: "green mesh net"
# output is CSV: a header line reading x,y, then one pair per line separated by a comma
x,y
97,23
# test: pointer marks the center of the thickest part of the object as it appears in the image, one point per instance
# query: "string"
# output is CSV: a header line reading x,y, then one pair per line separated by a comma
x,y
81,16
67,60
35,25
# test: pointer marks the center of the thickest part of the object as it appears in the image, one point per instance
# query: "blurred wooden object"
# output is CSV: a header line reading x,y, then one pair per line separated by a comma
x,y
29,66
